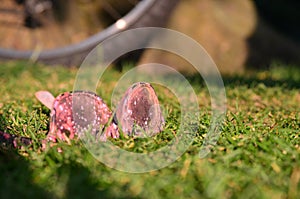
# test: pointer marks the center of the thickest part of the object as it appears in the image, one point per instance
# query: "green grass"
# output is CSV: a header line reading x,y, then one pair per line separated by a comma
x,y
257,154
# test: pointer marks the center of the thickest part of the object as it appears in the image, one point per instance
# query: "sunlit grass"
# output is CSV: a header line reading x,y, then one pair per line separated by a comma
x,y
256,156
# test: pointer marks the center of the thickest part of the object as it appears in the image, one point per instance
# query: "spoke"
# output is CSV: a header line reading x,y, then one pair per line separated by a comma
x,y
111,10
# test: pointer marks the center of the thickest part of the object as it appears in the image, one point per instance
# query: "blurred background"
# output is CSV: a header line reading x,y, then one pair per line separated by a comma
x,y
237,34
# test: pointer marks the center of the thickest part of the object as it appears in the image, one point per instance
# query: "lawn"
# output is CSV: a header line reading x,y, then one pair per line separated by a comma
x,y
257,154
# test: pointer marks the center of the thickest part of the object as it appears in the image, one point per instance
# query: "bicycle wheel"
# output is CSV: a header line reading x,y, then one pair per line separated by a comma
x,y
142,14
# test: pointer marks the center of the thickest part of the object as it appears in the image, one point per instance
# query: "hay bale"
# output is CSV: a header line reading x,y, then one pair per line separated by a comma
x,y
221,27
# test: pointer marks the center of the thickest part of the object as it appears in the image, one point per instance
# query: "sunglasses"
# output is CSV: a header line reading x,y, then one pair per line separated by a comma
x,y
74,113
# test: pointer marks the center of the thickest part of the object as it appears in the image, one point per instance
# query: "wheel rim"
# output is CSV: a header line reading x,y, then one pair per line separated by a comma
x,y
130,20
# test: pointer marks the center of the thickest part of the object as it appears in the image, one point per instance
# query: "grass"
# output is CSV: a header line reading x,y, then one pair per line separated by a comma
x,y
257,154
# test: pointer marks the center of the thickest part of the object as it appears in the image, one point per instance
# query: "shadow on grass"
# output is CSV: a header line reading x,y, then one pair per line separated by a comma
x,y
17,181
81,184
254,81
289,79
16,178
